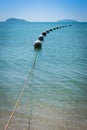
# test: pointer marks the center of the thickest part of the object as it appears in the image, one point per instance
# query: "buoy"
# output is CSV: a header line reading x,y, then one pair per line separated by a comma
x,y
44,33
41,38
51,29
57,27
54,28
47,31
37,44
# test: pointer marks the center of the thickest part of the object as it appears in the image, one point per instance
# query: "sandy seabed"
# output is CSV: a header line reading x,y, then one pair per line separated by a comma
x,y
37,122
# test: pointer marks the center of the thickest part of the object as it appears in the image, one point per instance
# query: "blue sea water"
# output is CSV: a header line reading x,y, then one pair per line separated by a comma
x,y
58,86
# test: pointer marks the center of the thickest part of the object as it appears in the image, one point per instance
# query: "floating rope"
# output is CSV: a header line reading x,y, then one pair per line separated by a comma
x,y
37,46
21,93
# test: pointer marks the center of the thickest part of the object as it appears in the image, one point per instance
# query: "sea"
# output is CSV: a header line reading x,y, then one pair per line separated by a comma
x,y
54,77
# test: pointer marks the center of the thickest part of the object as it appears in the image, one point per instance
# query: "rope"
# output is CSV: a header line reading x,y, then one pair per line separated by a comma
x,y
31,108
21,93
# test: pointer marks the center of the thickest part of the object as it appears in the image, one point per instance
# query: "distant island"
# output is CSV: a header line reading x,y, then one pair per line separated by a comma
x,y
15,20
20,21
67,20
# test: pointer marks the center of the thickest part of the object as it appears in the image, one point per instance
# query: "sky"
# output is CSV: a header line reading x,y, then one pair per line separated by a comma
x,y
44,10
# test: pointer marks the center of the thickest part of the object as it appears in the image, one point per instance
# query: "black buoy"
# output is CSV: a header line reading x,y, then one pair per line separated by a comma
x,y
44,33
51,29
47,31
54,28
57,27
37,44
41,37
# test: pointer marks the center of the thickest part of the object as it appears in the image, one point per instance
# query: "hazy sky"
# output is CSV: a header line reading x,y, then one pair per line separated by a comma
x,y
44,10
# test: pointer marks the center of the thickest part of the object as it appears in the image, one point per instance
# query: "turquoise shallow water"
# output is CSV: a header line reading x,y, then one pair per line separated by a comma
x,y
59,79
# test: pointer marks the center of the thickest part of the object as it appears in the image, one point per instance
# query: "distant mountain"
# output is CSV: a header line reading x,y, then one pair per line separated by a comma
x,y
67,20
15,20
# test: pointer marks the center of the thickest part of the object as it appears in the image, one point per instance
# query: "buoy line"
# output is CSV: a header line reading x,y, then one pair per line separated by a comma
x,y
38,43
21,93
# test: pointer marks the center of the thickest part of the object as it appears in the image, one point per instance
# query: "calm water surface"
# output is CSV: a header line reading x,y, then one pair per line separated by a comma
x,y
58,86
